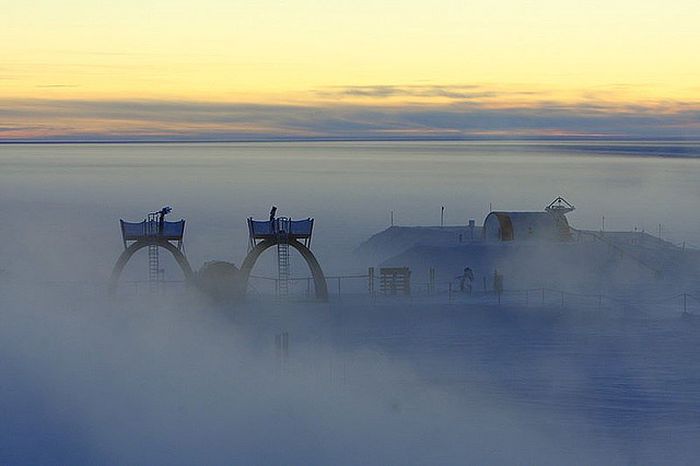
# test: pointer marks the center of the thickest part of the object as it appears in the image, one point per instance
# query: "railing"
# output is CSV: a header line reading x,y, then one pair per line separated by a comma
x,y
337,284
354,288
622,250
347,286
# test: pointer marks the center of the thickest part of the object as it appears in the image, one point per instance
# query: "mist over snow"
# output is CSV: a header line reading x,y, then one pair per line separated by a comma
x,y
172,378
154,384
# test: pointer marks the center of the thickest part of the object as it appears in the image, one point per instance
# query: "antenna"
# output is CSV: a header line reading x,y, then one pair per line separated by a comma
x,y
559,206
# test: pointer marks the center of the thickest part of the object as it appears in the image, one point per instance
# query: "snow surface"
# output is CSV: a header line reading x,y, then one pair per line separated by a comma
x,y
384,382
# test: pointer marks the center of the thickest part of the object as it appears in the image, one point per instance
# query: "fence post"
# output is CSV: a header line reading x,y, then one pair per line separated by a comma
x,y
278,352
281,350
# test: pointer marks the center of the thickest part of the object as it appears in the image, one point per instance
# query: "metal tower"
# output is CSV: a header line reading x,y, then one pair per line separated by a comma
x,y
284,233
153,233
558,208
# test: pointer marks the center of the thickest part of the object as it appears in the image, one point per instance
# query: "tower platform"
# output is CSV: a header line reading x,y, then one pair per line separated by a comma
x,y
153,233
152,230
300,230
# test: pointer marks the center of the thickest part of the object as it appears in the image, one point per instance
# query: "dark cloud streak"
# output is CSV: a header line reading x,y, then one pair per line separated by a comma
x,y
183,120
56,85
457,93
383,91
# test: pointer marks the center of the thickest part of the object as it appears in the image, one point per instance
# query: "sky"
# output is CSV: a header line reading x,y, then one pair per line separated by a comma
x,y
216,69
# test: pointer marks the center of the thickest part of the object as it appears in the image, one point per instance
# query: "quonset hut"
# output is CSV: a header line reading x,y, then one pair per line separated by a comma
x,y
550,225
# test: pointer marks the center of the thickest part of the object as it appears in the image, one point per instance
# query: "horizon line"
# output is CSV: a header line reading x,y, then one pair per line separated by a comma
x,y
495,138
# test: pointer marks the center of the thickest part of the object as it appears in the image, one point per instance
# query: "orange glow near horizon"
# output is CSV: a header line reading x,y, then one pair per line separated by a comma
x,y
502,54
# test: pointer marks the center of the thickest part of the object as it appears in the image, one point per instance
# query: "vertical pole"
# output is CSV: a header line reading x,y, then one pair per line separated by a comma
x,y
392,218
602,228
442,216
407,281
278,351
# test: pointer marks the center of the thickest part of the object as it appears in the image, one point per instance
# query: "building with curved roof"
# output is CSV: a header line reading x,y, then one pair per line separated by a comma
x,y
523,226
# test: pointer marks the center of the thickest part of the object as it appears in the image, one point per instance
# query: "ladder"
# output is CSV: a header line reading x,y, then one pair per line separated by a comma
x,y
153,268
283,267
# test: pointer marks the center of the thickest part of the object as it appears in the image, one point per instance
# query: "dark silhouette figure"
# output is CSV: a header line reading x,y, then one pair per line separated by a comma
x,y
497,282
161,219
465,281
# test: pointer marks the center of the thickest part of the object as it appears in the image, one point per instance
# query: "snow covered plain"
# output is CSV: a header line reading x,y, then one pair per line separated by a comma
x,y
423,380
386,382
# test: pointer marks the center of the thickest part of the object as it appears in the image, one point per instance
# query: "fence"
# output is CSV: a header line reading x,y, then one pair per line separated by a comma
x,y
340,286
549,297
432,292
337,284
